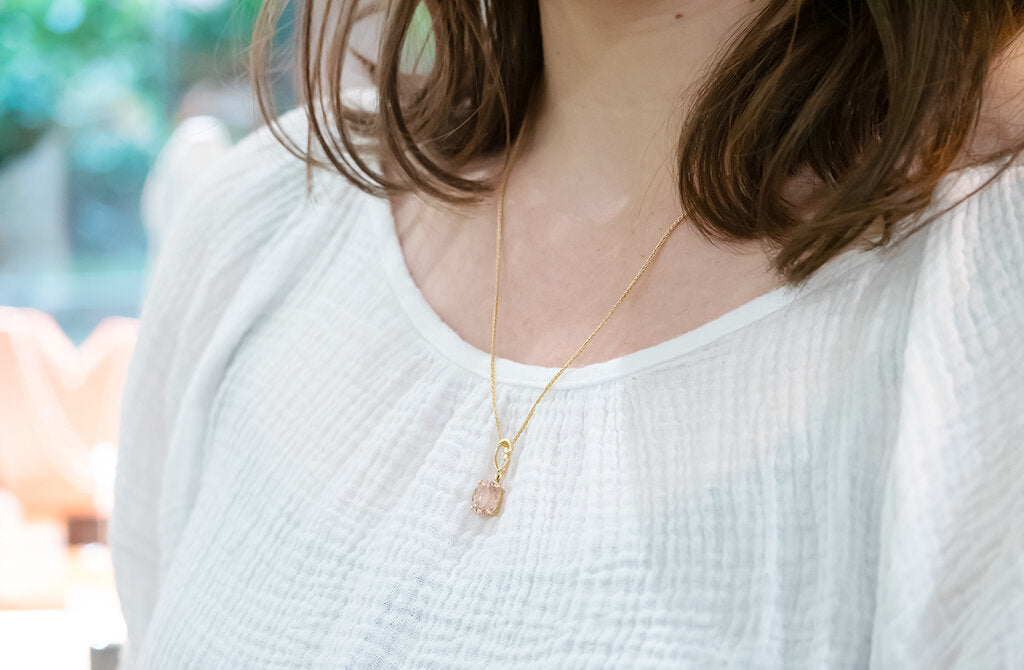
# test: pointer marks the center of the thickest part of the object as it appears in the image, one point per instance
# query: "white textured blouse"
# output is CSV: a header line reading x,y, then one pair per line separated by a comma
x,y
824,477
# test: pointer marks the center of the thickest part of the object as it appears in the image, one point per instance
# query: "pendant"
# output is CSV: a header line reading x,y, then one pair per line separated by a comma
x,y
489,493
487,498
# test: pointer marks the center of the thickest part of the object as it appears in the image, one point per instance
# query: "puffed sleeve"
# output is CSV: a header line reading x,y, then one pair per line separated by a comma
x,y
210,240
950,588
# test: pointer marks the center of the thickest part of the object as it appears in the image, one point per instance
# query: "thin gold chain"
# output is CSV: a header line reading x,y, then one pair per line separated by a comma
x,y
494,322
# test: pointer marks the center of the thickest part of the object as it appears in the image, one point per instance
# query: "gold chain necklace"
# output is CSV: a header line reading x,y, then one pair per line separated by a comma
x,y
488,496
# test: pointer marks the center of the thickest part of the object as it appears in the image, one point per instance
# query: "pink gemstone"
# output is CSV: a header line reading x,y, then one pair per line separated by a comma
x,y
487,498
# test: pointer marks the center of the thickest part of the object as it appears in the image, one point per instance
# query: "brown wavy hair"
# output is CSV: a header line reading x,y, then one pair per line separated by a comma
x,y
874,100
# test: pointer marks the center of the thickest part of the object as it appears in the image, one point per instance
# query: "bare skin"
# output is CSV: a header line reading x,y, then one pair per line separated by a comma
x,y
589,197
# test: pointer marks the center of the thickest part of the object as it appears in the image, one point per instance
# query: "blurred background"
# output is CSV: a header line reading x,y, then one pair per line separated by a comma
x,y
107,110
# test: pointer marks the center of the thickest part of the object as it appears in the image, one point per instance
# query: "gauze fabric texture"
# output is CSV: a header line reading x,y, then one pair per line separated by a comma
x,y
828,477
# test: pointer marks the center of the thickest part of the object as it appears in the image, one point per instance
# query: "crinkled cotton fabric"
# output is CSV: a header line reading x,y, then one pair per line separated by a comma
x,y
824,477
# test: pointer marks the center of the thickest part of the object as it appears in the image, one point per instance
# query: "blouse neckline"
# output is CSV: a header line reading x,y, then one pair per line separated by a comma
x,y
446,341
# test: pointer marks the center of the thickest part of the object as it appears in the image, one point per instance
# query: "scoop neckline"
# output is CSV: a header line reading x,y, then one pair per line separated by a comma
x,y
445,340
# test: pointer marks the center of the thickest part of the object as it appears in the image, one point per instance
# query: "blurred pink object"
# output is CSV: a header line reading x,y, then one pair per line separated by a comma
x,y
59,410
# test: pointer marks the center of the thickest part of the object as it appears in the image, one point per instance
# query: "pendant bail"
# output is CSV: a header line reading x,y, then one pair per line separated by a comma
x,y
505,449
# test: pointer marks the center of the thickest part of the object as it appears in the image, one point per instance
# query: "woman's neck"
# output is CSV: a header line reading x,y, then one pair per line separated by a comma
x,y
590,194
615,77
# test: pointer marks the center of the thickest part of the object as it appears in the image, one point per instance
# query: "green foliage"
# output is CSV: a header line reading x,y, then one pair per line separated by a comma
x,y
418,52
107,70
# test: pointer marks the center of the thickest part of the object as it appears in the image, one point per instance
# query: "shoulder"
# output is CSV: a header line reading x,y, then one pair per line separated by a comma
x,y
990,219
967,315
214,232
253,190
255,200
233,204
971,282
250,199
953,491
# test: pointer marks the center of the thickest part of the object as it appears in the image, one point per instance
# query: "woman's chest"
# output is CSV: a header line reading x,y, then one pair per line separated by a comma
x,y
389,568
697,518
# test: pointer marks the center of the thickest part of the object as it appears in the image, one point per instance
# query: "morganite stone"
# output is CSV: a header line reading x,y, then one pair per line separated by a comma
x,y
487,498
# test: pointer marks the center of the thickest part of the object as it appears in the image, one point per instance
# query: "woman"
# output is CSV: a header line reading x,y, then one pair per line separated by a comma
x,y
372,424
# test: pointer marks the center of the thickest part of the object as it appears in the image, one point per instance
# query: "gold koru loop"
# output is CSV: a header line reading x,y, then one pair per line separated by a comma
x,y
505,448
